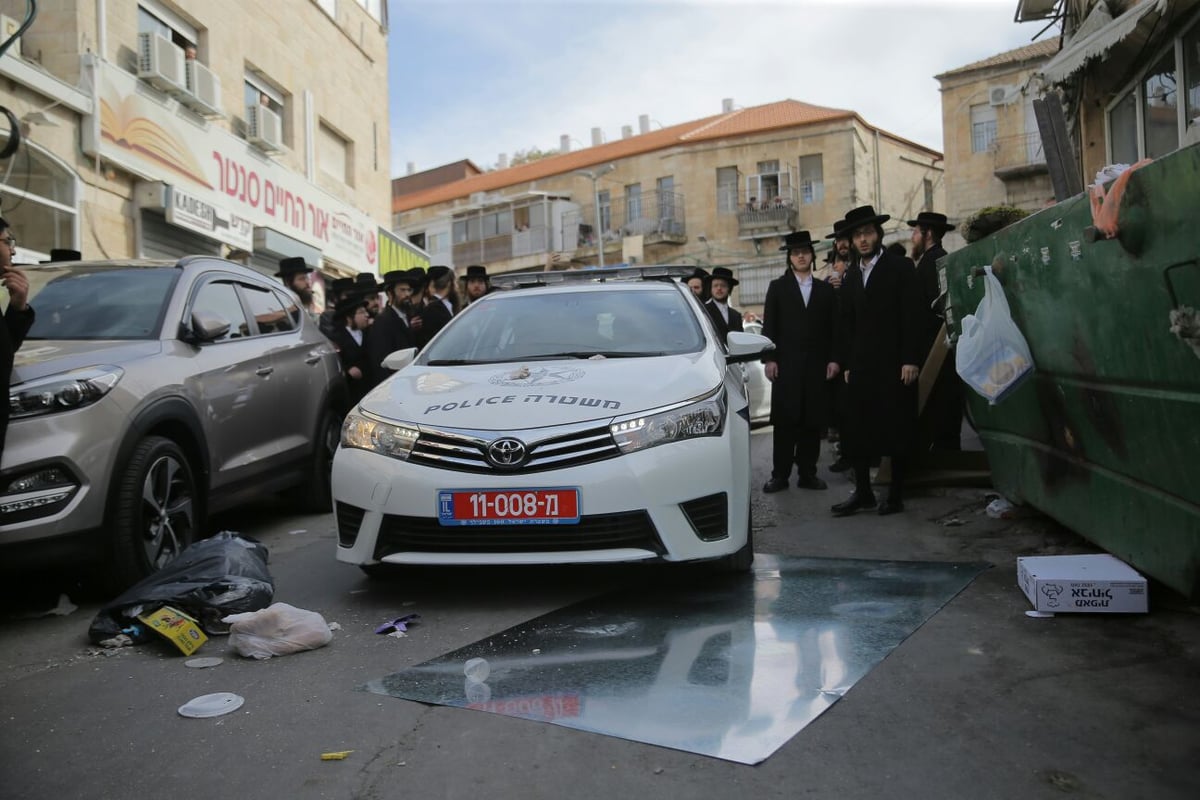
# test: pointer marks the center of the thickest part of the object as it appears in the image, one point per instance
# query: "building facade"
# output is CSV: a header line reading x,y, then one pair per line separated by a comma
x,y
994,153
722,190
160,129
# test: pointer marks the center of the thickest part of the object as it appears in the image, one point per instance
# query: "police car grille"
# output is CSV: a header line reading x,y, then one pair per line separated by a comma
x,y
631,529
708,516
468,453
349,520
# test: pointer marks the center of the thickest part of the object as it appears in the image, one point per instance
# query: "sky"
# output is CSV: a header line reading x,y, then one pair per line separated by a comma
x,y
477,78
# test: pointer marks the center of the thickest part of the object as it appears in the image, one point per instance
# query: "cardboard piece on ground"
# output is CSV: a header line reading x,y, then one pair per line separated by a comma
x,y
1088,583
177,628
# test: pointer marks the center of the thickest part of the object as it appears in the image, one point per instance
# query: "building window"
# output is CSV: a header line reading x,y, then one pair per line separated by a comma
x,y
1122,130
438,243
812,180
154,18
258,91
1191,80
727,190
766,187
328,6
633,202
927,185
983,127
39,198
374,8
1160,108
335,155
666,197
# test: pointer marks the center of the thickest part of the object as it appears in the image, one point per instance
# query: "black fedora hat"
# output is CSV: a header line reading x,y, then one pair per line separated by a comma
x,y
291,266
396,276
365,283
438,271
931,219
839,231
349,304
418,276
702,274
725,274
340,285
863,215
476,271
797,240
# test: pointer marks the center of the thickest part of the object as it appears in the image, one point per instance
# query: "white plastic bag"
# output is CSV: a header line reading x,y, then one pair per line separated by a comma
x,y
277,630
992,356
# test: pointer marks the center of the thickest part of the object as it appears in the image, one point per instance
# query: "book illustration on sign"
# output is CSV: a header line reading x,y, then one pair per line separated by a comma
x,y
124,127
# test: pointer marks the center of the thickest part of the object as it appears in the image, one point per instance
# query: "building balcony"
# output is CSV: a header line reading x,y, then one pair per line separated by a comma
x,y
1018,156
759,222
658,217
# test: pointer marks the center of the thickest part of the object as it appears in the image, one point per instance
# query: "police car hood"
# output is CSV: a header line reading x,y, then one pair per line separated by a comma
x,y
39,358
536,394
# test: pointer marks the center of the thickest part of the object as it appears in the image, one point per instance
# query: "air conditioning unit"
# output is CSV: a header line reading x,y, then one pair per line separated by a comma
x,y
160,63
1002,95
264,128
8,27
203,89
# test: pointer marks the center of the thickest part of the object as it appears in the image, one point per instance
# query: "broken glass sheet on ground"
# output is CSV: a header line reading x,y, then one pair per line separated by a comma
x,y
730,667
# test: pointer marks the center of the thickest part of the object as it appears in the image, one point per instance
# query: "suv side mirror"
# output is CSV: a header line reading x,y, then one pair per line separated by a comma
x,y
207,326
746,346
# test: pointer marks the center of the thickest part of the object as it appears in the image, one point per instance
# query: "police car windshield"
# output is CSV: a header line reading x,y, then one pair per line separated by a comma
x,y
533,324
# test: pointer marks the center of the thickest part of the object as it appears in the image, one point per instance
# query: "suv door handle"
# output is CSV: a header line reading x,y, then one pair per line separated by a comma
x,y
313,357
264,371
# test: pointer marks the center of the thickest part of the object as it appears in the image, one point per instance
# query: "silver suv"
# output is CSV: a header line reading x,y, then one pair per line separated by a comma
x,y
151,393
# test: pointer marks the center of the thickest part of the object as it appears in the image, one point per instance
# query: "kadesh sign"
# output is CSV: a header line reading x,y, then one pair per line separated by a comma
x,y
221,185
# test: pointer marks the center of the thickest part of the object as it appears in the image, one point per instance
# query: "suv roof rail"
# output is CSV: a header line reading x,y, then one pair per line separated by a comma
x,y
655,272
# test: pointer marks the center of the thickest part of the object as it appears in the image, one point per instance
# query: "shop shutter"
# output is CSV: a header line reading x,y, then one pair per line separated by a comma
x,y
161,239
266,263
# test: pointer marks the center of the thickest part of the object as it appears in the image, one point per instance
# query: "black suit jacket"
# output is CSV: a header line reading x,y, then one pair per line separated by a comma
x,y
735,319
434,317
12,333
880,332
352,354
927,278
386,335
803,337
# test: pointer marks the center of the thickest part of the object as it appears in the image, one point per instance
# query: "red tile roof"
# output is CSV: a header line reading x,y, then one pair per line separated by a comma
x,y
1030,52
740,122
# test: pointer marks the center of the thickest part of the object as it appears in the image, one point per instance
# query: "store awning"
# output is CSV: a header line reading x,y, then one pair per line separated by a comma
x,y
1097,35
395,253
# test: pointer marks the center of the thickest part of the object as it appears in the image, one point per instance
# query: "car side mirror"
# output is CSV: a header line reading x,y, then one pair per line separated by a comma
x,y
399,359
207,326
746,346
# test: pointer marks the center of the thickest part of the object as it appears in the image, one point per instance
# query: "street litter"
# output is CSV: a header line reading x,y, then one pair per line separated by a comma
x,y
335,626
224,574
204,663
477,669
301,530
277,630
398,626
178,628
336,755
992,356
953,522
1001,509
1087,583
211,705
120,640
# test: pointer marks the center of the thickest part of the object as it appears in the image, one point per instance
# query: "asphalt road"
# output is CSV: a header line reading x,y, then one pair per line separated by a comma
x,y
981,702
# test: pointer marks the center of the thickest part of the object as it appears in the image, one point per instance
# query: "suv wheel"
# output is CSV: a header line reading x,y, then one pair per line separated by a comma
x,y
316,493
156,509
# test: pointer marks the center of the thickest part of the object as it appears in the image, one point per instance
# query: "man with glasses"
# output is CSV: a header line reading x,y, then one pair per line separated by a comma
x,y
18,318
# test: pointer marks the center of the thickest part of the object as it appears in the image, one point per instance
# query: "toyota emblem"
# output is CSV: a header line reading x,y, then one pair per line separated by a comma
x,y
506,453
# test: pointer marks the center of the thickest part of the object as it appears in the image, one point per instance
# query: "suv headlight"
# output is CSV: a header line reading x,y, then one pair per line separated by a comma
x,y
364,433
63,392
703,418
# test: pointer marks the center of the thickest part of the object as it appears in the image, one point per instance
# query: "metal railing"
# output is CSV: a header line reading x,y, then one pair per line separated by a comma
x,y
1013,153
659,216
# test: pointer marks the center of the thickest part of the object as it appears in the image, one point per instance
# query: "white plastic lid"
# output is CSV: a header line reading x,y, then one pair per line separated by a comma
x,y
211,705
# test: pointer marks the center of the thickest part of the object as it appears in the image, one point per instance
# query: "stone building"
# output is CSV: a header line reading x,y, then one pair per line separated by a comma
x,y
156,128
722,190
994,154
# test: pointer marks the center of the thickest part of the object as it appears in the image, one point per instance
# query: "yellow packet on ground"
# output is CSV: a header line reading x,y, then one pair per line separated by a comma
x,y
178,628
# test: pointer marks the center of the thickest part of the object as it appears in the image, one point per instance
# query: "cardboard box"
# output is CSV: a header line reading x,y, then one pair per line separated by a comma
x,y
1093,583
177,627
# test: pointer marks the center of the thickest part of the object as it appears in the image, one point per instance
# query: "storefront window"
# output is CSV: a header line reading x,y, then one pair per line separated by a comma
x,y
1122,130
1160,108
39,201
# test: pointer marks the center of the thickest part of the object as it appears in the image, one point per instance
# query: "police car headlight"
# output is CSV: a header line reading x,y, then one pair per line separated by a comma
x,y
703,418
364,433
63,392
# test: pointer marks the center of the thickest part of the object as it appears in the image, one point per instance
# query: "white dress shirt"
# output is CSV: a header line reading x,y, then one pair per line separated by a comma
x,y
724,309
867,266
805,285
355,334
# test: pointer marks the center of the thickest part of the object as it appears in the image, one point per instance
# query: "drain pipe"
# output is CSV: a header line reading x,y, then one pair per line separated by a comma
x,y
878,174
101,31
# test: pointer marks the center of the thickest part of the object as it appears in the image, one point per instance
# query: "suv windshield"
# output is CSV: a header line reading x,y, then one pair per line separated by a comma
x,y
530,324
80,302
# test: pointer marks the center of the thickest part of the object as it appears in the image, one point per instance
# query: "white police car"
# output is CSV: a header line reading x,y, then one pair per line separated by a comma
x,y
593,416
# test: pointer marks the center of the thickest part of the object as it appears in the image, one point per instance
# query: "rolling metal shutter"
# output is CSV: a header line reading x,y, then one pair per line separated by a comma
x,y
161,239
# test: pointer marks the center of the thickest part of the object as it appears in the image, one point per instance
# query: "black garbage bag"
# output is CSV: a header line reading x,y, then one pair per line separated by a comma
x,y
224,574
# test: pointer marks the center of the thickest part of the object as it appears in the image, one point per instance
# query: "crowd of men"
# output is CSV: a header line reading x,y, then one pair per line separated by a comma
x,y
368,319
850,339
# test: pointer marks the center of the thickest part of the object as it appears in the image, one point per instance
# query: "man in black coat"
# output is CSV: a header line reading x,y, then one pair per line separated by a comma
x,y
18,318
724,316
330,321
941,426
349,340
799,316
441,305
390,331
879,350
